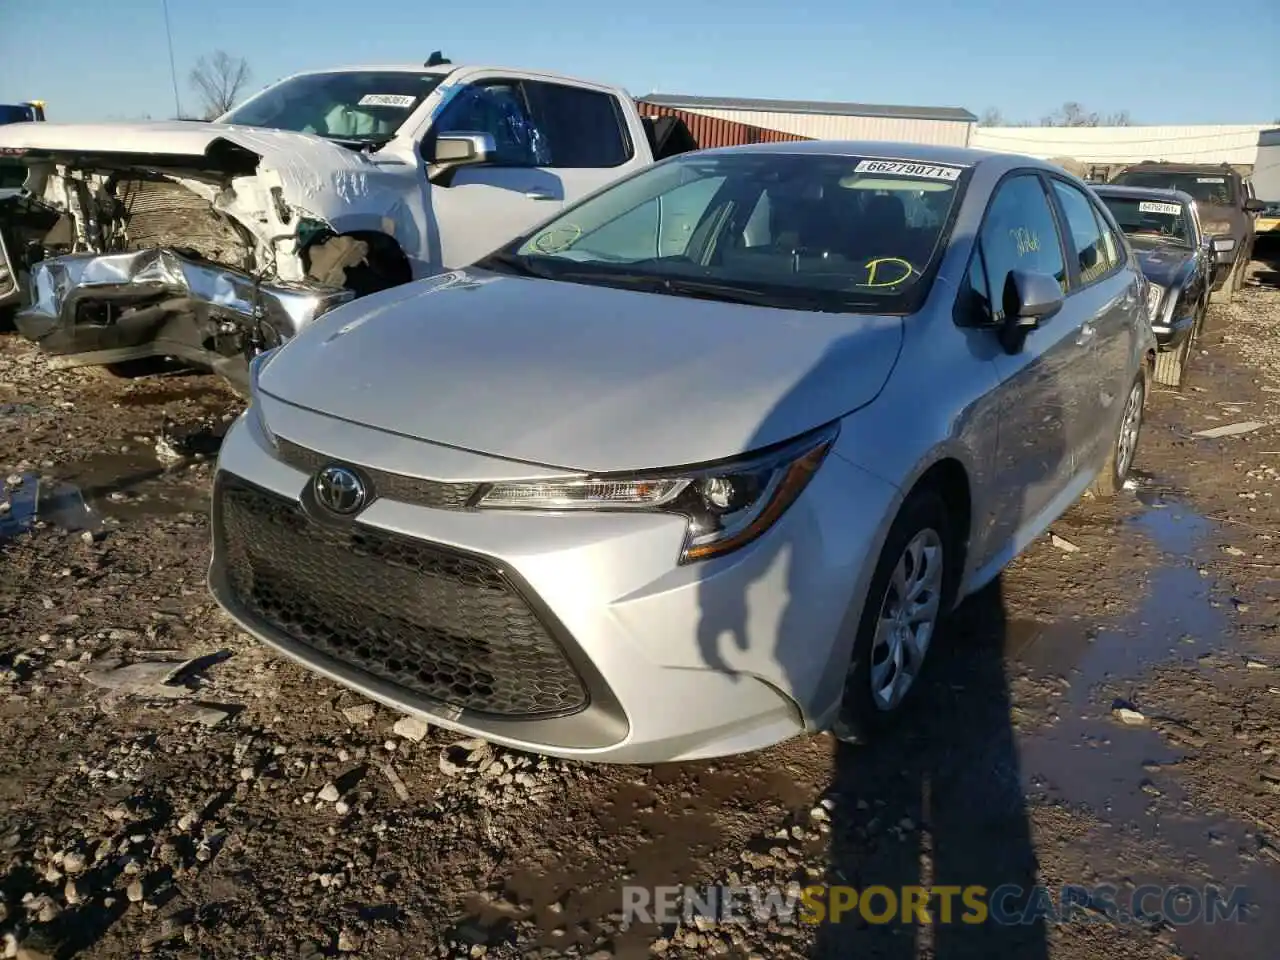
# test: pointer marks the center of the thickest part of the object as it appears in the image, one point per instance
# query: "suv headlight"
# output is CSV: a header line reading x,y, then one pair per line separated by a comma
x,y
1155,296
727,505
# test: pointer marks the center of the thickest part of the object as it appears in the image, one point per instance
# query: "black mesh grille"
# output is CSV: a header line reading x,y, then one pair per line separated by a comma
x,y
445,625
393,486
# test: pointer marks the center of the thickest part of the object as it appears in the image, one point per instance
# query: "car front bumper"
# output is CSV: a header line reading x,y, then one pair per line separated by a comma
x,y
91,308
675,662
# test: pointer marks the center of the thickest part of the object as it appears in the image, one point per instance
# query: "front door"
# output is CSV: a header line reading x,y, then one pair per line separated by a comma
x,y
556,143
1042,386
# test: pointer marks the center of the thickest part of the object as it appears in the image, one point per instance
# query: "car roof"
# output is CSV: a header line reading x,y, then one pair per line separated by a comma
x,y
1143,193
892,150
442,70
1162,167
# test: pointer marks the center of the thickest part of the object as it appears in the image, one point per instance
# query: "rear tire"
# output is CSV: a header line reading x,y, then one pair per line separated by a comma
x,y
1171,365
910,592
1110,479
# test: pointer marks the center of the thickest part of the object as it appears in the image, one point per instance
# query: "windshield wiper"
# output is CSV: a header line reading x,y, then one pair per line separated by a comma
x,y
699,289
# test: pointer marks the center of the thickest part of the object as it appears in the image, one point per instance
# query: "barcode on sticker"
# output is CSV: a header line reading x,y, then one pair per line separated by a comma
x,y
1211,180
387,100
902,168
1151,206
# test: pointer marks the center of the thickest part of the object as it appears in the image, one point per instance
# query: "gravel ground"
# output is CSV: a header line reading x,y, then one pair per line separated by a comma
x,y
1109,712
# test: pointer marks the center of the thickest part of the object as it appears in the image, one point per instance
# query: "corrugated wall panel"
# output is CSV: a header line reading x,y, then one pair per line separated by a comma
x,y
1236,143
716,132
820,126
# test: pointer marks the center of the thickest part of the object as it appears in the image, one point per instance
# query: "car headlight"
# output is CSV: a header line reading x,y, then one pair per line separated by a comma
x,y
1155,296
256,366
727,505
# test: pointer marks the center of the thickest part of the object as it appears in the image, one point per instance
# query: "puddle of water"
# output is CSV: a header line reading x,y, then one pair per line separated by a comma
x,y
1089,759
83,495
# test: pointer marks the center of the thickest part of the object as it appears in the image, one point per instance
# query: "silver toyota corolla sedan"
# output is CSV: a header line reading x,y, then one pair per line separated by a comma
x,y
698,464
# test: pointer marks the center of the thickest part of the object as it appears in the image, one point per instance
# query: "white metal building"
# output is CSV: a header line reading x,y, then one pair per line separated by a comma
x,y
1236,144
822,120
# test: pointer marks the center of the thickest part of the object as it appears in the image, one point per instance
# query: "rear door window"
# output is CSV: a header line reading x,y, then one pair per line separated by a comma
x,y
1084,238
584,128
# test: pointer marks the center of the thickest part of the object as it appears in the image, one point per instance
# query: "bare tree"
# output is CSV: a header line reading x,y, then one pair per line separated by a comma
x,y
1073,114
991,117
219,79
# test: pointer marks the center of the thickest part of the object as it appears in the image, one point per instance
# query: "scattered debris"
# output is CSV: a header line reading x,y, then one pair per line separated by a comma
x,y
1063,544
1230,430
1130,717
359,713
397,784
330,793
411,728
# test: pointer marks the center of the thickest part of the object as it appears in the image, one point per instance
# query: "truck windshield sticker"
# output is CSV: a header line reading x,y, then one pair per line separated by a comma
x,y
387,100
1151,206
1211,180
902,168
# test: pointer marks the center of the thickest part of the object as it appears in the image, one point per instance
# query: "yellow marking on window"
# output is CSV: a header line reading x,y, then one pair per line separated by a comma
x,y
873,268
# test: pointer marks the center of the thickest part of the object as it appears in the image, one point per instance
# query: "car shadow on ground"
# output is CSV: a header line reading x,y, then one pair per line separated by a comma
x,y
938,803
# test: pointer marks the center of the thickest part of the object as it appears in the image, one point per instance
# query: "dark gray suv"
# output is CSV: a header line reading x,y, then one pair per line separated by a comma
x,y
1227,210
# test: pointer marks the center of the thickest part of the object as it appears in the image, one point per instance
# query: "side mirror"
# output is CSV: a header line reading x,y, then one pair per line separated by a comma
x,y
1254,205
1224,248
459,149
1029,300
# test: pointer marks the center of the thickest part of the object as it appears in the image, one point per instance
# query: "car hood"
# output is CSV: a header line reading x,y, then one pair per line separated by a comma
x,y
306,164
1165,265
580,377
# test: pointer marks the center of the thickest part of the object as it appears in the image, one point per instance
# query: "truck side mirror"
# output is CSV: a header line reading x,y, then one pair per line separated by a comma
x,y
1254,205
458,148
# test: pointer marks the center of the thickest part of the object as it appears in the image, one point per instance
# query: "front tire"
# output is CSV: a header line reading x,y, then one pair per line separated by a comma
x,y
1110,479
910,591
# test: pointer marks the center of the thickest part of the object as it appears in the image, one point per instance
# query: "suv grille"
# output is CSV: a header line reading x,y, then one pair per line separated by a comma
x,y
393,486
445,625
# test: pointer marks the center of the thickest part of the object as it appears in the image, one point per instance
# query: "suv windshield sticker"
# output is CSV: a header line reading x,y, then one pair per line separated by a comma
x,y
1211,179
387,100
903,168
1151,206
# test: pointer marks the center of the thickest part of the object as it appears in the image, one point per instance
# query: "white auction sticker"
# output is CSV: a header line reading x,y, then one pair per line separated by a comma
x,y
1151,206
904,169
1211,180
387,100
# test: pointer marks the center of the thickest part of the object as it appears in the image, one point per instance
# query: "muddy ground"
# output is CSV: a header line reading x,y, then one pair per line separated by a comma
x,y
168,787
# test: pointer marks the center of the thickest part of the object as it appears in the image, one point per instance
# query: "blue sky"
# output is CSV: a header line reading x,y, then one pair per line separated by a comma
x,y
1165,61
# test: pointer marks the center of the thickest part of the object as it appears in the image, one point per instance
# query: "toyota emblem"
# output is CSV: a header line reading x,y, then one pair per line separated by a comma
x,y
339,490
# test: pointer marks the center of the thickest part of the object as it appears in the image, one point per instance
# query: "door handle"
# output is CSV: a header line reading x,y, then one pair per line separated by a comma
x,y
1086,334
536,194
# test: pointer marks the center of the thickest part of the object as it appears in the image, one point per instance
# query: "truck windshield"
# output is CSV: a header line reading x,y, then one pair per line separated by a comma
x,y
808,231
1161,221
1209,187
344,105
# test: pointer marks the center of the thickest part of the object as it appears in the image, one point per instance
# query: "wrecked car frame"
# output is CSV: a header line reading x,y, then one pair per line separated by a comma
x,y
211,242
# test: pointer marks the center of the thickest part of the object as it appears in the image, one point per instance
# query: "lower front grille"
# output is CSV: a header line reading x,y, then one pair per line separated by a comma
x,y
442,624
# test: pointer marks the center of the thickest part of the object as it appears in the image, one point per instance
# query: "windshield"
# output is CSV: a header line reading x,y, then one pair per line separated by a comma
x,y
808,231
349,105
1158,220
1211,188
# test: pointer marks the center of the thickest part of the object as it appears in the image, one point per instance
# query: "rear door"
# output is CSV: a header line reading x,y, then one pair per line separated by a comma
x,y
1108,297
1042,387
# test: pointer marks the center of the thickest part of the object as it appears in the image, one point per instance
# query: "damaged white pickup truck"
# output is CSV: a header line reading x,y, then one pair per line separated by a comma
x,y
210,242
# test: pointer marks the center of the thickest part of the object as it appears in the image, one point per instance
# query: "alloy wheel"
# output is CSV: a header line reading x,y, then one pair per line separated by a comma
x,y
1130,424
908,616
